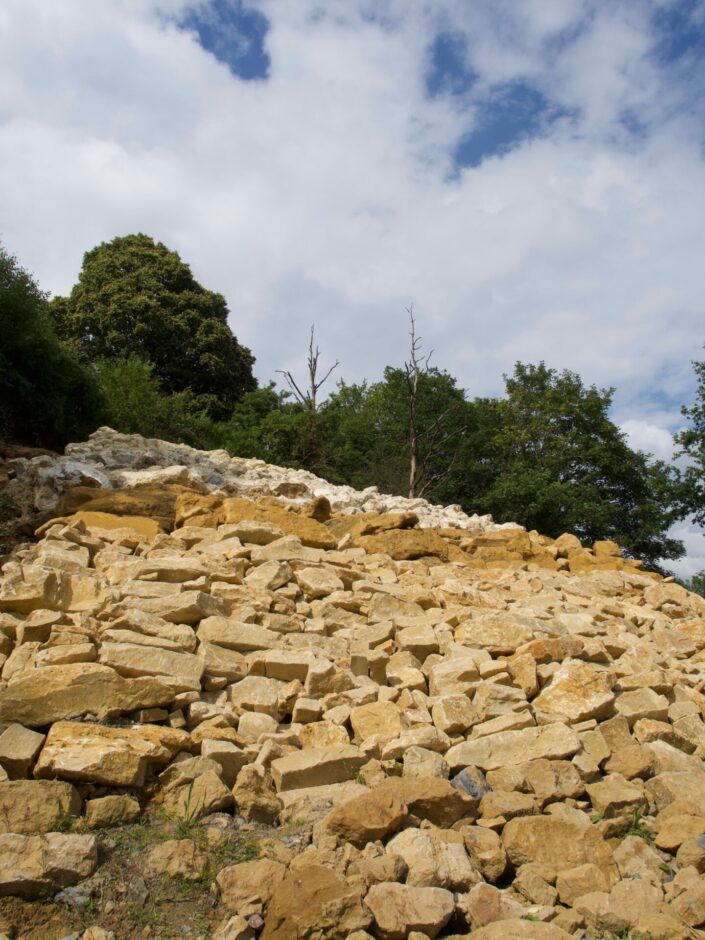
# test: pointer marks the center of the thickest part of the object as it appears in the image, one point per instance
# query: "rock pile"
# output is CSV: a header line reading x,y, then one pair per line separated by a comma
x,y
108,460
429,732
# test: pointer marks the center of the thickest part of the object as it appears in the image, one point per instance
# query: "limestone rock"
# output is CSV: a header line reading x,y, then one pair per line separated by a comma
x,y
255,796
376,718
564,841
57,692
520,930
33,865
432,861
484,904
486,852
248,887
175,858
433,799
109,811
233,635
552,741
577,691
573,883
316,766
204,795
314,901
317,582
180,670
400,909
19,748
405,544
119,757
35,806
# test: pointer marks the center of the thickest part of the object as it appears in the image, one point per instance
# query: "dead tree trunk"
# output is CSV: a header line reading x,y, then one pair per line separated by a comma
x,y
427,439
413,368
309,398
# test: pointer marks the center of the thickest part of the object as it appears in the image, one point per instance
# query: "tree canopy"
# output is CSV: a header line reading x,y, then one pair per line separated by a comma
x,y
46,396
546,455
691,442
556,462
136,297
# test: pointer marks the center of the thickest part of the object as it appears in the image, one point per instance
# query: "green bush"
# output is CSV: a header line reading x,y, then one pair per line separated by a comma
x,y
134,404
46,396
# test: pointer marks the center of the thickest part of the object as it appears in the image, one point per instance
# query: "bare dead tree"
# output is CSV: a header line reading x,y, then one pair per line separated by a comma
x,y
308,398
425,442
416,365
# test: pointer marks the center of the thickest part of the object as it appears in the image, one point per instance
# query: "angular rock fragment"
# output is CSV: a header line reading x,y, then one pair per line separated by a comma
x,y
57,692
32,866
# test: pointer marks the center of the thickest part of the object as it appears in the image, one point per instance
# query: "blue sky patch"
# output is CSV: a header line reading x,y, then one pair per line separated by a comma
x,y
448,71
681,29
233,34
510,115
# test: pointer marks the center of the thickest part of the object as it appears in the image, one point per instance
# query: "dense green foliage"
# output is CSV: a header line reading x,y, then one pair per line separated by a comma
x,y
559,464
134,404
547,455
45,395
136,297
697,583
691,442
157,358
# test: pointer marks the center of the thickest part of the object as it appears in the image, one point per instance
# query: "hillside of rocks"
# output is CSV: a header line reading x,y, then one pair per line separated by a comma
x,y
238,702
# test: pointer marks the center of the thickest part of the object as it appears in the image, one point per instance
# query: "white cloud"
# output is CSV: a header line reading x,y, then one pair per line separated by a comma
x,y
694,560
651,438
324,194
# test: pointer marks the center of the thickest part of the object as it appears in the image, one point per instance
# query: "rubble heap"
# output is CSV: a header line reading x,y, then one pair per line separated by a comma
x,y
431,731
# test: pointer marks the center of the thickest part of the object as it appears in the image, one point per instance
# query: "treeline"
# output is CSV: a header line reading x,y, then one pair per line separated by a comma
x,y
138,344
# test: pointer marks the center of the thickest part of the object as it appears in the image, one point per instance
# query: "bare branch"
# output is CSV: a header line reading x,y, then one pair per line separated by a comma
x,y
298,394
308,399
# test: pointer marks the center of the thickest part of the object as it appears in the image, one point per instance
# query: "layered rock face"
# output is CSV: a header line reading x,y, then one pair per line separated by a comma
x,y
444,727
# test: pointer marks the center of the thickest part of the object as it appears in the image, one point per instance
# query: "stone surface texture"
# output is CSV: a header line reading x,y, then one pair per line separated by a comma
x,y
338,713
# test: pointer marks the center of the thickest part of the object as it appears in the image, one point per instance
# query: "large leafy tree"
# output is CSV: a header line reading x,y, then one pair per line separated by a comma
x,y
46,396
547,455
691,442
556,462
136,297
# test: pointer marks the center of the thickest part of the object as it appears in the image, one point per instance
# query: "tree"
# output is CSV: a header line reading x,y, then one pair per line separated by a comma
x,y
308,398
697,583
429,437
134,404
46,396
135,296
557,463
691,442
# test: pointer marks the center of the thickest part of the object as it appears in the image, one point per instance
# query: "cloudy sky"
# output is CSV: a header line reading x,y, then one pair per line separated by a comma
x,y
530,174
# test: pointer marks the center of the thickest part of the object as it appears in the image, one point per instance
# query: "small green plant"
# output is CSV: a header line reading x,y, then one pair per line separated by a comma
x,y
639,828
531,917
186,823
65,822
90,911
250,852
598,817
138,836
147,915
236,852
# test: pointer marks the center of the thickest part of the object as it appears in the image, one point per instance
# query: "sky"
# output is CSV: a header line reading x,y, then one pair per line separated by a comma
x,y
529,174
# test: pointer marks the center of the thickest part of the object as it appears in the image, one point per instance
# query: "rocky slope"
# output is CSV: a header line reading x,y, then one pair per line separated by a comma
x,y
236,702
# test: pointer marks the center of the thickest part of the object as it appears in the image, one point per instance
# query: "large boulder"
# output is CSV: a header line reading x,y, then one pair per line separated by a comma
x,y
34,865
398,910
57,692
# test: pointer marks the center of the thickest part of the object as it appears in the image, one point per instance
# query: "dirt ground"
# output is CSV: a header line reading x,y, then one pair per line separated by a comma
x,y
120,898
